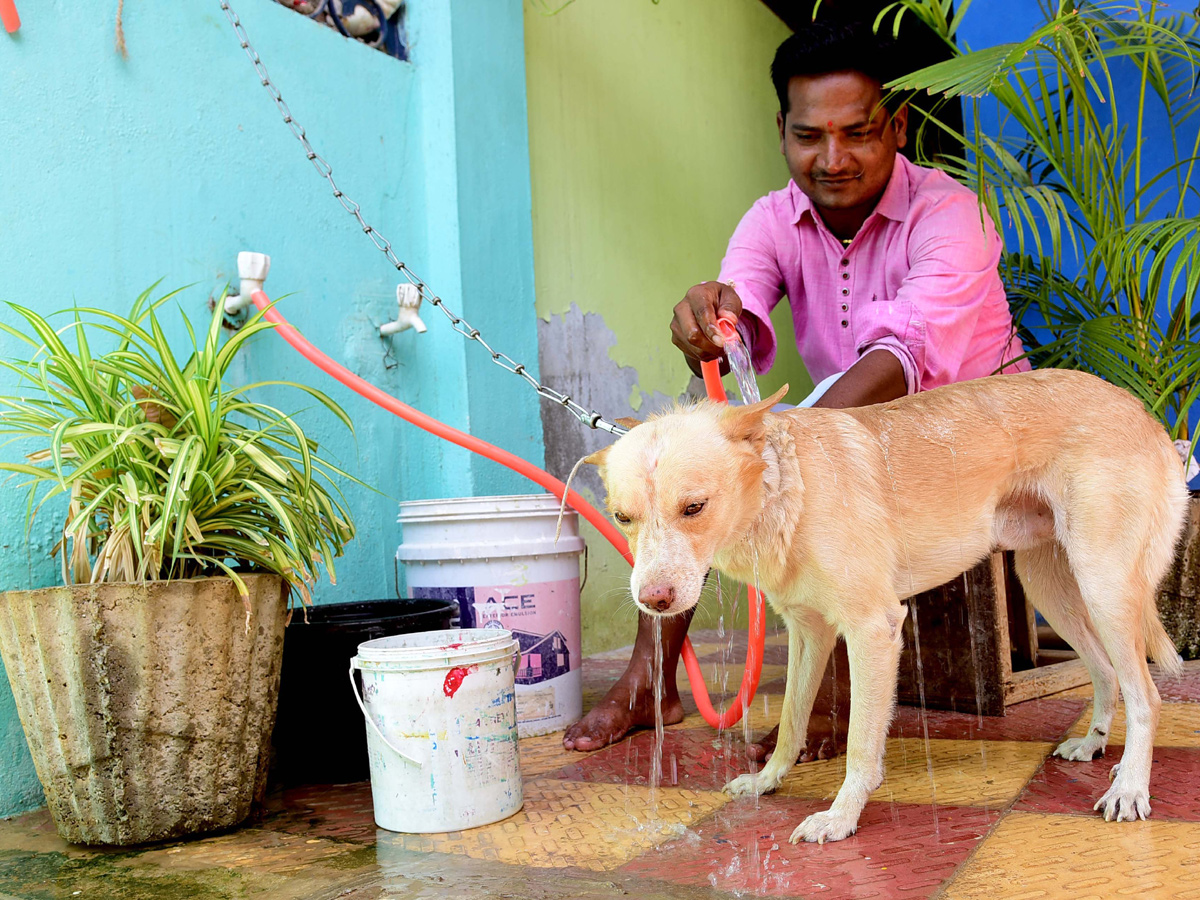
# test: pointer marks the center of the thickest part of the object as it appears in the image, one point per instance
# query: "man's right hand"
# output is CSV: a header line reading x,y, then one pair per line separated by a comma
x,y
694,325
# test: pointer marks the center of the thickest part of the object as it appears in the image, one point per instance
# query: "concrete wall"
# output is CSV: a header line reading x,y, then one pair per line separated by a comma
x,y
117,173
651,132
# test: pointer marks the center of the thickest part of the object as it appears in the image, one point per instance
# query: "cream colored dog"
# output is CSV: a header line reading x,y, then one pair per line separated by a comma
x,y
844,513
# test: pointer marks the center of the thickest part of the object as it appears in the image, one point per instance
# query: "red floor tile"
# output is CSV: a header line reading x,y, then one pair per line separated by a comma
x,y
1074,787
695,758
899,851
1034,720
1185,687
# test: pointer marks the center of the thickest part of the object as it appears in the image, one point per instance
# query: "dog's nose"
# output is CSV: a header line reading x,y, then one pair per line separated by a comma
x,y
659,597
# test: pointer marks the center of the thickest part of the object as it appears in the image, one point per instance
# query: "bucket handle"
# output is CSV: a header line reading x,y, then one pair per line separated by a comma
x,y
585,567
371,722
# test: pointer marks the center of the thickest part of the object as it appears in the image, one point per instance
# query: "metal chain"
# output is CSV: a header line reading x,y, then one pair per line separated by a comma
x,y
588,417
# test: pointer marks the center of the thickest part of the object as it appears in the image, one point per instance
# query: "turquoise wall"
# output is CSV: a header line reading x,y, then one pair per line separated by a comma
x,y
117,173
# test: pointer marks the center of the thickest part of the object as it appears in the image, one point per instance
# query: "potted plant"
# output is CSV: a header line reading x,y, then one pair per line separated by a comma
x,y
146,683
1103,223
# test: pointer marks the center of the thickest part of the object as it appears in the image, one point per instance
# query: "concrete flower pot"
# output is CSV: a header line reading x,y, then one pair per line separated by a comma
x,y
148,708
1179,593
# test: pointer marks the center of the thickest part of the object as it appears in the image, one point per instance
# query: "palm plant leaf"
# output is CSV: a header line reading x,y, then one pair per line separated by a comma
x,y
1103,275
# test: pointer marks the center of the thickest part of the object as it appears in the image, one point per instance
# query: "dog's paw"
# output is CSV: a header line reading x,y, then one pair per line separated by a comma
x,y
750,785
824,826
1083,748
1122,802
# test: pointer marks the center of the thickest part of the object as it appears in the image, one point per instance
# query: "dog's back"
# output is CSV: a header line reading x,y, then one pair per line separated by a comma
x,y
1010,462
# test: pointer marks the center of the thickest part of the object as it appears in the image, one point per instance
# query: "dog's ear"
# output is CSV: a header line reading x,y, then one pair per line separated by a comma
x,y
747,423
628,422
598,458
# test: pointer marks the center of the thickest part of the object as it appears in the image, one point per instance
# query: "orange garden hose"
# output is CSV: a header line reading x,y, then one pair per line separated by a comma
x,y
8,16
712,380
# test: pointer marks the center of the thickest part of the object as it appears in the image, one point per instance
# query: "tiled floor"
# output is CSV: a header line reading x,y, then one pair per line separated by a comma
x,y
982,812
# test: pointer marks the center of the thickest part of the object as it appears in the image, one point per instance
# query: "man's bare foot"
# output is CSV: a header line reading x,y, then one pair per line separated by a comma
x,y
826,738
629,703
614,717
830,717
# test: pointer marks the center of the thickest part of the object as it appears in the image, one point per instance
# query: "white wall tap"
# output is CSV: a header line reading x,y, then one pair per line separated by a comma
x,y
409,300
252,270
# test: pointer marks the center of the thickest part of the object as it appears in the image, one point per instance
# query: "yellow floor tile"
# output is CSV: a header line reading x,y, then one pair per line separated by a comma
x,y
965,773
545,753
1031,856
571,823
1178,725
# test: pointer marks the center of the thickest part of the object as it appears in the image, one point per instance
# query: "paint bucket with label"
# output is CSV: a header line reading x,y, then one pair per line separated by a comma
x,y
441,728
497,557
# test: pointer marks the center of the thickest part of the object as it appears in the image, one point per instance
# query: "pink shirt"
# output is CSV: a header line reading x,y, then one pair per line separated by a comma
x,y
919,280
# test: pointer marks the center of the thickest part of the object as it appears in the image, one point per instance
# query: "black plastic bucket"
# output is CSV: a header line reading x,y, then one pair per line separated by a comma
x,y
320,736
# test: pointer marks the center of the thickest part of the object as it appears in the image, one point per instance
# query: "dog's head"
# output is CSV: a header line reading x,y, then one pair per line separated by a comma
x,y
683,486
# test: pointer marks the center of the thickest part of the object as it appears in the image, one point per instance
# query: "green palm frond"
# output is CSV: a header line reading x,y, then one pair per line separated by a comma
x,y
1103,275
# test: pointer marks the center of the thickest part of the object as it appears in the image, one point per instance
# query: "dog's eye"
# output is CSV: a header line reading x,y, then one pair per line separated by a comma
x,y
693,509
621,518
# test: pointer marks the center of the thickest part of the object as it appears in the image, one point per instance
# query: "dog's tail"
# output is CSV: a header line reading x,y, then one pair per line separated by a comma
x,y
1158,644
1159,554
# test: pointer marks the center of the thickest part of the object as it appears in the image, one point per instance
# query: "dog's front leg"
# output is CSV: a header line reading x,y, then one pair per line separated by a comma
x,y
810,641
874,650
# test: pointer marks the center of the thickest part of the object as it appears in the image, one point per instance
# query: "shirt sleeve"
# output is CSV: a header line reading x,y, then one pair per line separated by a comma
x,y
928,325
751,268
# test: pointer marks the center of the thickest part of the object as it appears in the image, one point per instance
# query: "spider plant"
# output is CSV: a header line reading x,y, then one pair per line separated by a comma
x,y
167,471
1102,218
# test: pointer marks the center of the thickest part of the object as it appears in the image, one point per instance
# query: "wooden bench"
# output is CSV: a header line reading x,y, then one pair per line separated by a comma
x,y
978,643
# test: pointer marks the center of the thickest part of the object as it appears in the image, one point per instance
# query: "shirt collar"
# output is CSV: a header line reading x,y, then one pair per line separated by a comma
x,y
894,203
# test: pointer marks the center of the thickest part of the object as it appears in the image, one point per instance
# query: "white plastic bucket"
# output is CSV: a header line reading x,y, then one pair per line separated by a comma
x,y
498,558
441,728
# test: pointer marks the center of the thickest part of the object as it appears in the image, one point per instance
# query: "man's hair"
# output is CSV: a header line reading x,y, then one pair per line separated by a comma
x,y
826,46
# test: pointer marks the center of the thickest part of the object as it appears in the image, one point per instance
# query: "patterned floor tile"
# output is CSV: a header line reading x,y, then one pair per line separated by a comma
x,y
955,773
694,758
899,851
1074,787
591,826
1185,687
1034,720
726,680
1178,725
1041,857
545,753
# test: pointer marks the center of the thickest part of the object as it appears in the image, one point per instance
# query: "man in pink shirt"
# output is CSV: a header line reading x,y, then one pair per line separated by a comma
x,y
891,272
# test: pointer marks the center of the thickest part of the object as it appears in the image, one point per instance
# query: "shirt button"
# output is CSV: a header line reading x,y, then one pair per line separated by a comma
x,y
845,276
845,292
845,262
845,324
845,307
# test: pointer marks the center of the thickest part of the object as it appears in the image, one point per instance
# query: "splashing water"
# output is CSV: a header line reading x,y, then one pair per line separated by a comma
x,y
659,688
912,612
742,370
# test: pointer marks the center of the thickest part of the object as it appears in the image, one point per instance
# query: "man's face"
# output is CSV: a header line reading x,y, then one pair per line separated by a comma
x,y
840,144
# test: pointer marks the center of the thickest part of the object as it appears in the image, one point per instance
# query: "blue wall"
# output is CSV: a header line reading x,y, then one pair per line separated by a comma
x,y
116,173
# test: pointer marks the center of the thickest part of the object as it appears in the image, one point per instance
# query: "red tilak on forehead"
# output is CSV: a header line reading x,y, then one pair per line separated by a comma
x,y
829,124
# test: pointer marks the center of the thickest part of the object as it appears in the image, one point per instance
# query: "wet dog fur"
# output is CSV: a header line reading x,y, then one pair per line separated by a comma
x,y
845,513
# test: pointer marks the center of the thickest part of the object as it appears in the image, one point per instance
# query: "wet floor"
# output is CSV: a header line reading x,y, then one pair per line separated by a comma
x,y
999,819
